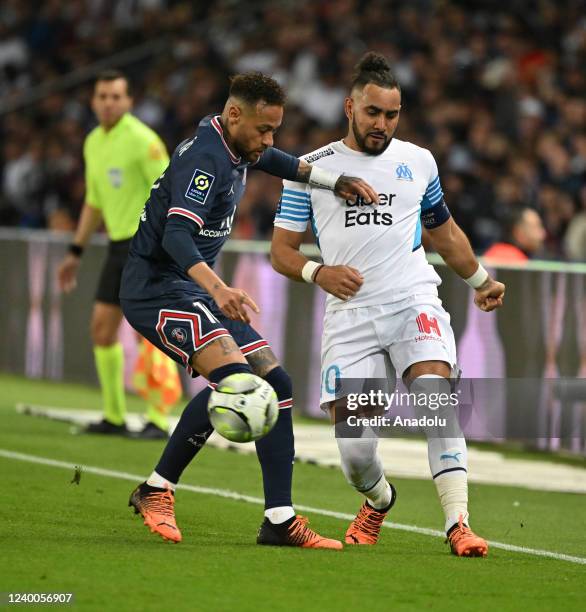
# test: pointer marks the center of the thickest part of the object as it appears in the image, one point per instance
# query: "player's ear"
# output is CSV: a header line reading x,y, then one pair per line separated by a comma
x,y
234,113
349,107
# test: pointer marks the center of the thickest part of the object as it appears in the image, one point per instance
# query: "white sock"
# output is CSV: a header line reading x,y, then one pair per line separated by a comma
x,y
280,514
360,462
380,495
156,480
446,451
452,489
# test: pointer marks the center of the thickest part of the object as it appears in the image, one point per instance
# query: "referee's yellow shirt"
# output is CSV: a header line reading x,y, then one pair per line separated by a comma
x,y
120,167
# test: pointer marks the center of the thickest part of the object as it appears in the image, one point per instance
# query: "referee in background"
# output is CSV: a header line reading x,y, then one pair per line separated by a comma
x,y
123,158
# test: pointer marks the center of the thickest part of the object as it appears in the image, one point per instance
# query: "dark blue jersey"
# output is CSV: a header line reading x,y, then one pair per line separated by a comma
x,y
189,213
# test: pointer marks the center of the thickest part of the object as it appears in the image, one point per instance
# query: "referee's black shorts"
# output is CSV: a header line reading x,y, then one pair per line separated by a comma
x,y
109,285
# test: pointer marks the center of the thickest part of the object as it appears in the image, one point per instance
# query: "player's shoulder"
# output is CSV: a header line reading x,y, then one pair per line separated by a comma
x,y
413,155
320,155
201,152
404,146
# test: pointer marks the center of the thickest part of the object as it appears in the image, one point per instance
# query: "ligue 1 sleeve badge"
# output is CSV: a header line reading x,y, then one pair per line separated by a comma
x,y
200,186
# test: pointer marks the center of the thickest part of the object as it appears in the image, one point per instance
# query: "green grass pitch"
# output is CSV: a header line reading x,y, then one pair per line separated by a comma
x,y
58,536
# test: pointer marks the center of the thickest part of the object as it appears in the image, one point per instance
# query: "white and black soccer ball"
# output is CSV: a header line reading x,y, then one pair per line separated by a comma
x,y
243,407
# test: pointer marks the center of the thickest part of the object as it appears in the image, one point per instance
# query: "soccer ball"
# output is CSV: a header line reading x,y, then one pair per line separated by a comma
x,y
243,407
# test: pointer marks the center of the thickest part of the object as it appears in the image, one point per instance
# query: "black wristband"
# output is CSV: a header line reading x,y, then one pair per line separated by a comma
x,y
75,249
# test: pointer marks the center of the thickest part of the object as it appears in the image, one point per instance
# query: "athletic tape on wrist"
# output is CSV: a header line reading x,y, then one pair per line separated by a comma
x,y
478,278
323,179
309,270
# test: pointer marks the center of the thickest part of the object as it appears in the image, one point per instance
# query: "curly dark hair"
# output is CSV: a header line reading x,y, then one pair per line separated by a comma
x,y
374,68
252,87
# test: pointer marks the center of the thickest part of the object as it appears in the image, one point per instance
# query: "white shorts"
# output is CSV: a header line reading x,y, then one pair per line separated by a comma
x,y
367,342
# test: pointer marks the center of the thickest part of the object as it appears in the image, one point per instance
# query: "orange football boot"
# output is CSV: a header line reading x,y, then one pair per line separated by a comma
x,y
294,532
365,528
464,542
157,507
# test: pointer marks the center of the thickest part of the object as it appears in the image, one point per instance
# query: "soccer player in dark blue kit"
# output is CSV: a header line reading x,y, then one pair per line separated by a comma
x,y
171,295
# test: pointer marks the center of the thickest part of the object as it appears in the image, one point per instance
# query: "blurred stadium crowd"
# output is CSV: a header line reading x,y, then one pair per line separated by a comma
x,y
497,92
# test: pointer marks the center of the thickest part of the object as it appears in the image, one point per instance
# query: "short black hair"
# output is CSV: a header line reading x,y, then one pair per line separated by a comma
x,y
113,75
373,68
253,87
512,218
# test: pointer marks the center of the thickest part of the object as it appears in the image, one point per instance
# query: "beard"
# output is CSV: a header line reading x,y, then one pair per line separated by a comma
x,y
365,148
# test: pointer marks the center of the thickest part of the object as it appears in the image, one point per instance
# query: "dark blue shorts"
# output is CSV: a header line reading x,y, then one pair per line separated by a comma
x,y
181,325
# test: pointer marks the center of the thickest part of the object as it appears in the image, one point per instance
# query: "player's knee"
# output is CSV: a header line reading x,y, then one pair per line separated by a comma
x,y
281,382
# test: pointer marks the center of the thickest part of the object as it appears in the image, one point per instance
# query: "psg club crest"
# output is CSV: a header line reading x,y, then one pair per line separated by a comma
x,y
179,335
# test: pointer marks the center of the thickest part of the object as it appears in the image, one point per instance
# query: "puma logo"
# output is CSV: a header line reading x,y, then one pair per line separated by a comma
x,y
448,456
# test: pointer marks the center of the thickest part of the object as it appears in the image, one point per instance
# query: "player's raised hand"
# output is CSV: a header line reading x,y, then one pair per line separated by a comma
x,y
341,281
490,295
232,303
349,187
67,273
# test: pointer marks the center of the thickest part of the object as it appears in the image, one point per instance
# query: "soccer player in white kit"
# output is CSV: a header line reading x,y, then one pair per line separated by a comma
x,y
383,301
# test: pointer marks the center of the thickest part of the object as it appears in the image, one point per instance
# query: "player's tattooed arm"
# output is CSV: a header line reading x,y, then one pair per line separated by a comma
x,y
347,187
303,172
262,362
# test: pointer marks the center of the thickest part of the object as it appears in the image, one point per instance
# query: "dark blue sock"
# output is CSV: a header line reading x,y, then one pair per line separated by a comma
x,y
276,451
193,429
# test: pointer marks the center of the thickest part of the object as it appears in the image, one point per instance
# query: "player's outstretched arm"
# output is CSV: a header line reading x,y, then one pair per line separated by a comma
x,y
286,258
230,301
347,187
281,164
453,245
89,221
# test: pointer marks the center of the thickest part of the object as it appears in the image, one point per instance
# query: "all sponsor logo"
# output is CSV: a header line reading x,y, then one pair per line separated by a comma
x,y
319,155
428,325
359,213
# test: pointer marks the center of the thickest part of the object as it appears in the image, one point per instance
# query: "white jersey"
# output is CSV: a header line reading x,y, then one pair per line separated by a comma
x,y
383,242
